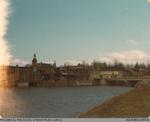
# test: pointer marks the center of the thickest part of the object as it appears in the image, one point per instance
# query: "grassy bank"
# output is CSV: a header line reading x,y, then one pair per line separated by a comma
x,y
135,103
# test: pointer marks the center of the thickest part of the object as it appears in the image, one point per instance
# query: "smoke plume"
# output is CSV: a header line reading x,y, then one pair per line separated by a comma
x,y
4,47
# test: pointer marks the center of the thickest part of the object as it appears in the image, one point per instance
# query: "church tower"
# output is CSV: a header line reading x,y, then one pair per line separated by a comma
x,y
34,60
34,68
34,63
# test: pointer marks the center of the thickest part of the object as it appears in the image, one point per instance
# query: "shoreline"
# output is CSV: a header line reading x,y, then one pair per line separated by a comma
x,y
60,83
60,86
132,104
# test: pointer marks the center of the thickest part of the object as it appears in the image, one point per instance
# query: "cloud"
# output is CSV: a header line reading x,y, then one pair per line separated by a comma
x,y
126,57
137,42
19,62
72,62
133,42
4,47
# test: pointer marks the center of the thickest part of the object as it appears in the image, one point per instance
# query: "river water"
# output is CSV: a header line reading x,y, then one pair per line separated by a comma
x,y
58,102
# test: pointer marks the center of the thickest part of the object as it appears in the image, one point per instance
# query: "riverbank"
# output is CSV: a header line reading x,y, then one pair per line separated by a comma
x,y
135,103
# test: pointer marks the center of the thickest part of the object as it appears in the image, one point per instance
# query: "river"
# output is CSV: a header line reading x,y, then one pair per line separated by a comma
x,y
60,102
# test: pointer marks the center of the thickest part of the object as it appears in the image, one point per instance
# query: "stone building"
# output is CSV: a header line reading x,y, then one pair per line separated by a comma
x,y
74,75
98,74
29,75
42,72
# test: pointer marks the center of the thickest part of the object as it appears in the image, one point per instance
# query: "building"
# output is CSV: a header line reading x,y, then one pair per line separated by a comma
x,y
98,74
30,75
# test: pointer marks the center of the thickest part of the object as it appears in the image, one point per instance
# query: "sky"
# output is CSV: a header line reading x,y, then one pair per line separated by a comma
x,y
73,31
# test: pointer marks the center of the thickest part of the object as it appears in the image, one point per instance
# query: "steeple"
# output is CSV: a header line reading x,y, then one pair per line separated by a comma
x,y
34,55
34,60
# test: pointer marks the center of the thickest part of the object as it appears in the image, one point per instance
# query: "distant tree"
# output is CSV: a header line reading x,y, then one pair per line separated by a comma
x,y
148,65
94,64
142,65
99,65
137,66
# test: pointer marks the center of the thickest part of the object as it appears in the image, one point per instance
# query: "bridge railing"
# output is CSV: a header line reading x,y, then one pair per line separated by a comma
x,y
132,77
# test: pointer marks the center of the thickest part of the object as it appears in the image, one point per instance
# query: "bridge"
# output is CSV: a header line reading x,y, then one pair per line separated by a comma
x,y
124,81
139,78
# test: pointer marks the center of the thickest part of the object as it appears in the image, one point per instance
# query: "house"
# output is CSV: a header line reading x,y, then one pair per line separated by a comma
x,y
104,74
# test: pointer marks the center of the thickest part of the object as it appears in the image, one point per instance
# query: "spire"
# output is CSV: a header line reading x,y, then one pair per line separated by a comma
x,y
34,60
34,55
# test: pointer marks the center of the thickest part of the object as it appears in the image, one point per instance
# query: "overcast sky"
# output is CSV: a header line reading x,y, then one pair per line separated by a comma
x,y
76,30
